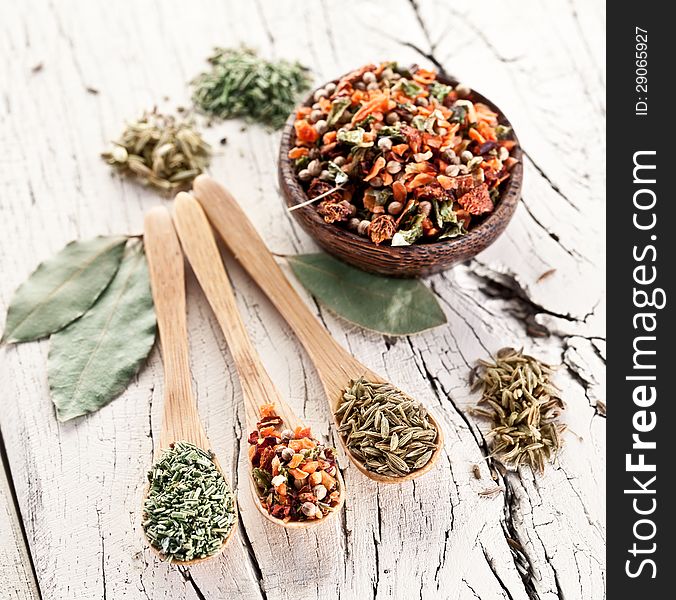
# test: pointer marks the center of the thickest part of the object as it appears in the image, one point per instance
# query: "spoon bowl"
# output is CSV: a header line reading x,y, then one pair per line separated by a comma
x,y
335,366
199,245
194,561
180,420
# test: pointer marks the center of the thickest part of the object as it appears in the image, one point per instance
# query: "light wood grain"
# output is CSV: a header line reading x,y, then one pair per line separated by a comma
x,y
336,367
199,245
334,364
180,421
80,484
16,576
258,389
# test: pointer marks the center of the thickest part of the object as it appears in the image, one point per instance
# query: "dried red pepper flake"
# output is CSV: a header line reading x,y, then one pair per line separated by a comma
x,y
477,201
382,228
280,511
305,132
462,184
413,136
267,454
432,191
333,211
269,421
319,187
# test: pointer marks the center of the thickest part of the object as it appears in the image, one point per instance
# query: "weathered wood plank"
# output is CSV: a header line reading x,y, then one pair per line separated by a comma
x,y
16,574
79,484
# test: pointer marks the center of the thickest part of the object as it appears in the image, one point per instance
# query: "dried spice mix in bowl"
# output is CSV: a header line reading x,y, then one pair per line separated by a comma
x,y
296,476
399,157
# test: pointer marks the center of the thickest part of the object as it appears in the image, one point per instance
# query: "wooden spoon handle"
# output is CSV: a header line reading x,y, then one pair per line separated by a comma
x,y
200,247
334,365
167,281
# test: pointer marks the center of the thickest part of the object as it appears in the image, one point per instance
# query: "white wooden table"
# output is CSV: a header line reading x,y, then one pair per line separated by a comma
x,y
78,485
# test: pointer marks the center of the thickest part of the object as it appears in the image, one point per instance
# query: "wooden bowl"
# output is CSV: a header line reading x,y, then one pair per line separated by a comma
x,y
400,261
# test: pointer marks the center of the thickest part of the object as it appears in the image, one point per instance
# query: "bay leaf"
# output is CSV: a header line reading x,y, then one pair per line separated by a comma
x,y
62,288
383,304
92,360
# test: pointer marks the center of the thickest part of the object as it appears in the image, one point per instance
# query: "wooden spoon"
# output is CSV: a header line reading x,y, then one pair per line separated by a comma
x,y
335,366
199,246
180,421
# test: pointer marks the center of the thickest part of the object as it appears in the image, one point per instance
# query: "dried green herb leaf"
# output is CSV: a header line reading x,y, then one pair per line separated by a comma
x,y
453,230
339,176
190,509
382,304
262,478
338,108
440,91
354,137
62,288
92,360
406,237
240,84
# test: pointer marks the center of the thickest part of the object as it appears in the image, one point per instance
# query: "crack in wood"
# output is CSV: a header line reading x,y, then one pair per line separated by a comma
x,y
187,576
452,349
551,184
32,587
491,566
376,545
103,554
253,558
423,26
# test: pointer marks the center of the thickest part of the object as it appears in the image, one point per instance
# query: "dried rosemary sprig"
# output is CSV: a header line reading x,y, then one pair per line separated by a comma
x,y
161,150
523,406
242,85
190,508
385,429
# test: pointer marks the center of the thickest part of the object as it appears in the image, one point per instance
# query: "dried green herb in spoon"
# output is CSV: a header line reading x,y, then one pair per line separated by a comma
x,y
190,508
523,405
242,85
161,150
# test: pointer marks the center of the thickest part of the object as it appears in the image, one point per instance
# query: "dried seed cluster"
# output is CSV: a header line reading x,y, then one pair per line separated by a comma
x,y
161,150
242,85
523,406
190,508
385,429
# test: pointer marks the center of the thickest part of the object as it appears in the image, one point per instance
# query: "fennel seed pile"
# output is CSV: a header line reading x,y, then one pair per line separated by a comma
x,y
523,406
190,508
384,428
164,151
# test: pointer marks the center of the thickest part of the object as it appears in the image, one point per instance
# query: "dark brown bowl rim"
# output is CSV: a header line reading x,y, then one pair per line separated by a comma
x,y
504,208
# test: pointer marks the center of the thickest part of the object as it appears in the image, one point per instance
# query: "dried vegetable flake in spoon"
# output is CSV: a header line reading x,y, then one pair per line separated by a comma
x,y
296,476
